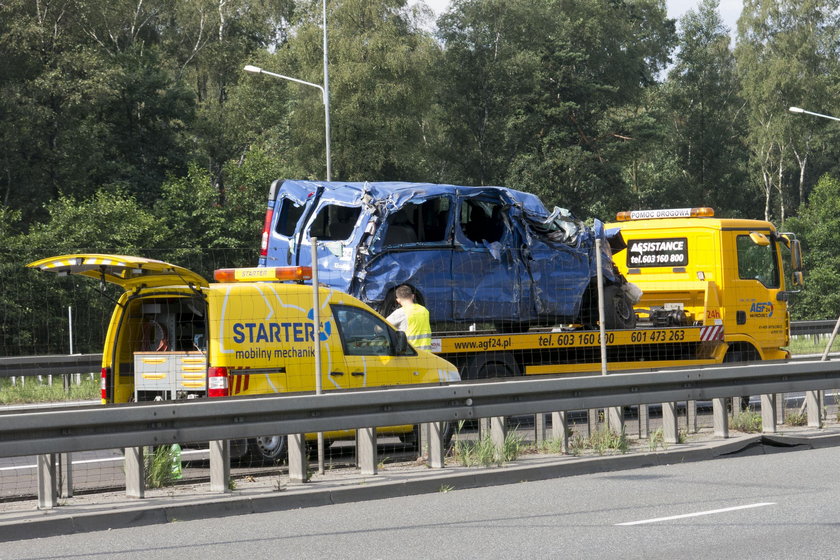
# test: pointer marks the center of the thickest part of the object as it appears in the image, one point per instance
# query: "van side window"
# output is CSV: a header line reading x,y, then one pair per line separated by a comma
x,y
756,262
334,222
418,223
363,333
482,221
287,217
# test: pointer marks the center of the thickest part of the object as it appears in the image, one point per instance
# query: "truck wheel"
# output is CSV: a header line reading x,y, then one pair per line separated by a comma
x,y
491,365
618,312
267,449
741,352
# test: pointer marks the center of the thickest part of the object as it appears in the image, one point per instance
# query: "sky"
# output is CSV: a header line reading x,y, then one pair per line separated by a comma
x,y
729,9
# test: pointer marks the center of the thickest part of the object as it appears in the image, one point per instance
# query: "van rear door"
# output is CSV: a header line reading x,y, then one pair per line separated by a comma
x,y
290,205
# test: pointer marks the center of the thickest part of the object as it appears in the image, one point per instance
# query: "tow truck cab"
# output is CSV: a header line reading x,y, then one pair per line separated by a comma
x,y
696,269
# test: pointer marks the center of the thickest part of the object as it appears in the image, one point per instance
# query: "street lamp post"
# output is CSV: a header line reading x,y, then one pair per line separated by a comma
x,y
325,89
325,96
837,324
801,110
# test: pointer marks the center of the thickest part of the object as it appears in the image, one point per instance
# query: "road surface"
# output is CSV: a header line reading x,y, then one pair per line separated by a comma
x,y
781,505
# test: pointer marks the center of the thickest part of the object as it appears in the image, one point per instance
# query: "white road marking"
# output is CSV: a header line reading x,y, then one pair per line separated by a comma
x,y
697,514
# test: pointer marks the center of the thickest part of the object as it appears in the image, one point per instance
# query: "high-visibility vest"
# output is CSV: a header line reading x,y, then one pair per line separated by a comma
x,y
418,331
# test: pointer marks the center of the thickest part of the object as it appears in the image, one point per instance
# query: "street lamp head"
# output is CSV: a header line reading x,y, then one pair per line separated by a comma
x,y
254,69
796,110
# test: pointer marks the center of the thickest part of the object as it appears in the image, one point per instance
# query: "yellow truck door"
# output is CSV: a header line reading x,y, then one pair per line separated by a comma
x,y
753,289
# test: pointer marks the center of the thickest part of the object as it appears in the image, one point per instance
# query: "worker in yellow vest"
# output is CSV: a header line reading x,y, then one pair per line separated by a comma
x,y
412,318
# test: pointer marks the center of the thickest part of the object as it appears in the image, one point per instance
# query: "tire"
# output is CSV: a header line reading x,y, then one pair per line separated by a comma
x,y
740,353
492,365
618,312
267,449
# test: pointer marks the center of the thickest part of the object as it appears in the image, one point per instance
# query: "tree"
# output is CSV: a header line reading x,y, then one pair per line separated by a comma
x,y
705,117
86,102
548,107
818,225
208,42
787,53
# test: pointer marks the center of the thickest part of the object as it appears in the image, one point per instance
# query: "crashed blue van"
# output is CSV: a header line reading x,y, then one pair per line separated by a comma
x,y
472,254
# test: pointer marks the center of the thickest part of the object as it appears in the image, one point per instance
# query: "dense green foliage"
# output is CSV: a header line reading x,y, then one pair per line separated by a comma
x,y
129,126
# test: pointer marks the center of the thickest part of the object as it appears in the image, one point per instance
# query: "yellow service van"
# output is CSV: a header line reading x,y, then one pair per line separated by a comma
x,y
174,335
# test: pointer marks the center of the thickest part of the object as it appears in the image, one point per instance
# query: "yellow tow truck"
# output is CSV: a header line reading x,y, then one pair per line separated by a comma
x,y
712,289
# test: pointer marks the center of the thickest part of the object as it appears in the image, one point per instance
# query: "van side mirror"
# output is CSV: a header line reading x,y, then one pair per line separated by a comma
x,y
401,344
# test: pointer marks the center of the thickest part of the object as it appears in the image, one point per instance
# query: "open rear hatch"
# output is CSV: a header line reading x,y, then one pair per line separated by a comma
x,y
125,271
159,338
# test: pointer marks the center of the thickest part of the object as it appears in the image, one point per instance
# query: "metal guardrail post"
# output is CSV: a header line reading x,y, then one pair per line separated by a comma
x,y
813,401
560,430
539,428
366,450
135,477
592,418
423,443
670,426
65,474
720,418
498,432
768,414
220,466
615,418
436,450
298,460
483,427
780,408
644,421
47,481
691,416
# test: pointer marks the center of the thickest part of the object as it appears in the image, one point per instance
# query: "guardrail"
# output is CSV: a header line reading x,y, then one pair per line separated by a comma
x,y
133,426
812,327
23,366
